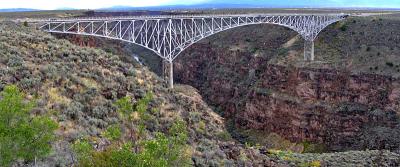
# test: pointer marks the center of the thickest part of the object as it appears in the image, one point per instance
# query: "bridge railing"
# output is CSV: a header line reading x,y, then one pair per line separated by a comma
x,y
155,17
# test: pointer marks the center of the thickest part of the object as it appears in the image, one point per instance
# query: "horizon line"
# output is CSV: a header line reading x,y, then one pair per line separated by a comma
x,y
194,8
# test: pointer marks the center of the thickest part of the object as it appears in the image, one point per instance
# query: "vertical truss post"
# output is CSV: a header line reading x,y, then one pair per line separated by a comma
x,y
120,30
171,64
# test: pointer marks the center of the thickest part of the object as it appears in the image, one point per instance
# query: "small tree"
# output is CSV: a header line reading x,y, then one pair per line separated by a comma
x,y
21,135
84,151
124,105
131,115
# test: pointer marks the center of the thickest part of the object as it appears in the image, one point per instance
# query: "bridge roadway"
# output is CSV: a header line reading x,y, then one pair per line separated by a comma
x,y
168,36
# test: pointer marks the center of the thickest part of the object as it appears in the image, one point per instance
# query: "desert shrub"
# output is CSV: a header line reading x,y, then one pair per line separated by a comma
x,y
97,122
15,61
343,27
285,155
50,71
142,104
390,64
32,82
101,111
313,147
124,105
74,110
224,136
254,50
21,135
141,107
195,116
26,24
109,50
163,150
201,127
131,72
87,96
113,132
84,150
310,164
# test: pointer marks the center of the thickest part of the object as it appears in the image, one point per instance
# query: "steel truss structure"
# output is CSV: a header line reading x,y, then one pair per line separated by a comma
x,y
168,36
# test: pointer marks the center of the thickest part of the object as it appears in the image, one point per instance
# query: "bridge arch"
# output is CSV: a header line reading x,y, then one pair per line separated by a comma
x,y
168,36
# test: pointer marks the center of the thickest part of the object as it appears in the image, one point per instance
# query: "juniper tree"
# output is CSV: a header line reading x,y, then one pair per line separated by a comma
x,y
22,136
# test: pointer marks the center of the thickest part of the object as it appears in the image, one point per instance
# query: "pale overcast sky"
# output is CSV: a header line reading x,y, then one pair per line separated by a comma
x,y
94,4
88,4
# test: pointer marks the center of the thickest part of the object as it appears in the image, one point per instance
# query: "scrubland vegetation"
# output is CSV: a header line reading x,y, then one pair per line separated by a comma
x,y
103,110
87,106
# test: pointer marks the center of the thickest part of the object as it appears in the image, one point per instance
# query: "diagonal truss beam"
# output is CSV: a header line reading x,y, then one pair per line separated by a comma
x,y
168,36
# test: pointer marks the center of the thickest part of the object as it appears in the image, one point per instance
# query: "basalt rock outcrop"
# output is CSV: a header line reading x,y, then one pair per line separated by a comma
x,y
340,109
326,106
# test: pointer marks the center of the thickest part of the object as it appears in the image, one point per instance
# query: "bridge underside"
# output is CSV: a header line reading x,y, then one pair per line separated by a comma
x,y
168,36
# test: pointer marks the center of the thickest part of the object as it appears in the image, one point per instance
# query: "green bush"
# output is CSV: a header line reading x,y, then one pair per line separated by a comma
x,y
21,135
343,27
225,136
161,151
124,106
113,132
313,147
84,151
142,104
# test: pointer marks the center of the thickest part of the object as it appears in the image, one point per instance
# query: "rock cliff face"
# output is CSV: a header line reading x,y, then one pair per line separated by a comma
x,y
342,110
324,106
337,108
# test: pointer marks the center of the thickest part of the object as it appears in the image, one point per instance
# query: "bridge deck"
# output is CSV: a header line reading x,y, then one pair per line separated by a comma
x,y
156,17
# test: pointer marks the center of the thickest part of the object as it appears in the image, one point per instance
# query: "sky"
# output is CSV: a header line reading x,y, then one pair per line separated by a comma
x,y
95,4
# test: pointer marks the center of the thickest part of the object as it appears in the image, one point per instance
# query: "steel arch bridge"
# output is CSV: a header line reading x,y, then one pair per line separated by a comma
x,y
168,36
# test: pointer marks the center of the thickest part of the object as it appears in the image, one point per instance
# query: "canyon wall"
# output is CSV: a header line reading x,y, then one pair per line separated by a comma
x,y
344,109
340,109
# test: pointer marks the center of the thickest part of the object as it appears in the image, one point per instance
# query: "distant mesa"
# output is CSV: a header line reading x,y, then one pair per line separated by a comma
x,y
18,10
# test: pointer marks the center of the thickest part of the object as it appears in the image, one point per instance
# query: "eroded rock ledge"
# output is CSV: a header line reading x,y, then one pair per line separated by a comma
x,y
342,110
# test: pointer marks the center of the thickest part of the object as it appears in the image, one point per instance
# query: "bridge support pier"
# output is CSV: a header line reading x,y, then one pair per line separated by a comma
x,y
308,50
168,72
171,74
